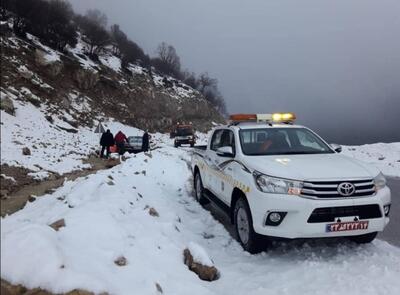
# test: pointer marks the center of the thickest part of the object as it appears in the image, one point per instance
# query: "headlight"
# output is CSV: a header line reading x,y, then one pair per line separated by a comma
x,y
379,181
268,184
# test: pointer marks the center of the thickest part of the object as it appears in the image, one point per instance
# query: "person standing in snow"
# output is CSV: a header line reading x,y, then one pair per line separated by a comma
x,y
120,140
106,140
145,141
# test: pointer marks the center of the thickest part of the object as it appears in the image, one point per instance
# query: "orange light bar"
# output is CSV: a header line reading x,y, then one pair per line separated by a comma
x,y
275,117
243,117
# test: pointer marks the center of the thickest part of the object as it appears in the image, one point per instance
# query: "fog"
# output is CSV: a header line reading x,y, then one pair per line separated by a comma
x,y
336,64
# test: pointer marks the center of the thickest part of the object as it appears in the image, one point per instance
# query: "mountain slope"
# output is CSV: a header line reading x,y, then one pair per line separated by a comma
x,y
102,89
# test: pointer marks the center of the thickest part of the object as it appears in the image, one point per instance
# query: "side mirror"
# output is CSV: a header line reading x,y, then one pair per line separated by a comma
x,y
225,151
337,148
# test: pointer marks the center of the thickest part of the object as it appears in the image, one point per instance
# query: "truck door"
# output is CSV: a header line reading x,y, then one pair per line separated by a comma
x,y
224,184
212,160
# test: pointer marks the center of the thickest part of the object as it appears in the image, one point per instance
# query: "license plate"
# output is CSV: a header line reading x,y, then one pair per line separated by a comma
x,y
347,226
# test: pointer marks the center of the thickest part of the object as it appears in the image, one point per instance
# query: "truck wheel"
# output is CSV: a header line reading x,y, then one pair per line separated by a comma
x,y
192,144
248,238
364,239
199,190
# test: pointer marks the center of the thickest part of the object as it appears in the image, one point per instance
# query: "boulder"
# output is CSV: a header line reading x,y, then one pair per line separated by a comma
x,y
53,68
85,79
58,224
7,105
26,151
204,272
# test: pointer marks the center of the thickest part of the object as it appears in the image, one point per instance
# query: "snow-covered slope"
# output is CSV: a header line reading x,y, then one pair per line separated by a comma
x,y
53,149
385,156
107,216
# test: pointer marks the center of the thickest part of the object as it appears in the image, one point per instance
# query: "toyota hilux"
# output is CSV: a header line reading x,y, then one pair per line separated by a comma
x,y
278,179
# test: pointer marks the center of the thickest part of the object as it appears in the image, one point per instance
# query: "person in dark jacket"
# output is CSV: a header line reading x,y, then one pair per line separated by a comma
x,y
145,142
106,140
120,140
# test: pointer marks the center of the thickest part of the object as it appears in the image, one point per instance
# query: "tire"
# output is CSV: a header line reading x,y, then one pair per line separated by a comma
x,y
192,144
175,144
364,239
199,190
248,238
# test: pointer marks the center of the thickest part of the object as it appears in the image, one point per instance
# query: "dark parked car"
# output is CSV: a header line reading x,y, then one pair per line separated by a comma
x,y
134,144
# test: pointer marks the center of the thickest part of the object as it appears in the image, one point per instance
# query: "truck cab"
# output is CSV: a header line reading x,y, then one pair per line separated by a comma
x,y
277,179
183,134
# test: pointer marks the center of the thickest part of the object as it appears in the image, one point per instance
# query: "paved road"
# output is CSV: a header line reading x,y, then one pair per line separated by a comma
x,y
391,233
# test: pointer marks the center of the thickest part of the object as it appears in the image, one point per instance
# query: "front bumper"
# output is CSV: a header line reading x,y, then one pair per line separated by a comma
x,y
185,141
299,209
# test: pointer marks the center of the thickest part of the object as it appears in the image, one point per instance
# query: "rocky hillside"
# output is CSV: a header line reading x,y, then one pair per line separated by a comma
x,y
81,91
52,101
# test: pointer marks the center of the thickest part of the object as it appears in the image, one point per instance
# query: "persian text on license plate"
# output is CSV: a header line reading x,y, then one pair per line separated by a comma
x,y
347,226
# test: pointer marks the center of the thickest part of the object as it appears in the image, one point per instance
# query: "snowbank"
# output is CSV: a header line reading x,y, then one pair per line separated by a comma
x,y
107,216
385,156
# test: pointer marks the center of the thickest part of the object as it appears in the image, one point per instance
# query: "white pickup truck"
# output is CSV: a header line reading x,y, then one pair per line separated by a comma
x,y
276,179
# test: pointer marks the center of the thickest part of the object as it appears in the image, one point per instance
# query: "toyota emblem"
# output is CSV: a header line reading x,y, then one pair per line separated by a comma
x,y
346,189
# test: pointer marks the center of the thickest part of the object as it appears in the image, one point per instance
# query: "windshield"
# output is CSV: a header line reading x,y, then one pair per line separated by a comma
x,y
184,131
281,141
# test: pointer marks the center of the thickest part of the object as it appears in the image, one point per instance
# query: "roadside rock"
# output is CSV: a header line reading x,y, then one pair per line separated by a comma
x,y
153,212
121,261
206,273
58,224
31,198
26,151
7,105
159,289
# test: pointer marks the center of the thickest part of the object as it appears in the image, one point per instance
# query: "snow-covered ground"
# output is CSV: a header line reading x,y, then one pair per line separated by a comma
x,y
107,216
52,148
385,156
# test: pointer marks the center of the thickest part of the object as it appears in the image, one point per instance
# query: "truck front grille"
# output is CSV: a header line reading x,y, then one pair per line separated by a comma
x,y
328,214
329,189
